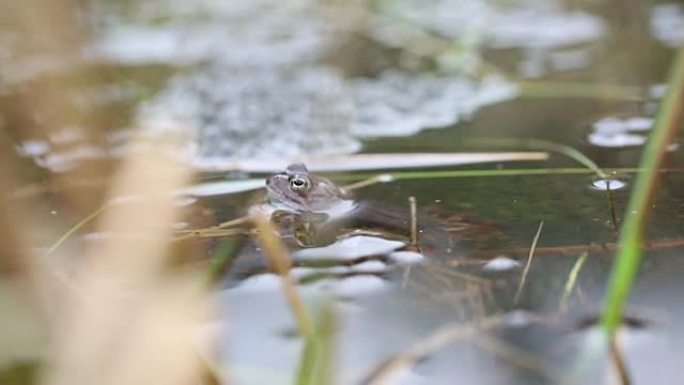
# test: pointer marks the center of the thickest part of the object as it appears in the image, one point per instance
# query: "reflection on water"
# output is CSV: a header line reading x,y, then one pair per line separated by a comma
x,y
608,184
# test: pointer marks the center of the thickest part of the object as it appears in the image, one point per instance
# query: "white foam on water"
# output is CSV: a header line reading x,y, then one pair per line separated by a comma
x,y
370,267
612,132
616,140
353,286
260,282
667,24
350,248
501,263
406,257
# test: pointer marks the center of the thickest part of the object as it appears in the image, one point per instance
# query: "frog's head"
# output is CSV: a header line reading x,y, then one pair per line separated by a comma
x,y
298,190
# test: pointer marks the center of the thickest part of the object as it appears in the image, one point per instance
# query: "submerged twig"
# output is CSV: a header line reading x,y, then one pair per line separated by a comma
x,y
523,278
518,356
387,372
574,249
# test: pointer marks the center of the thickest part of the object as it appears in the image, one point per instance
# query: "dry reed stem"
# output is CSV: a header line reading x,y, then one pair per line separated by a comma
x,y
130,323
274,249
414,223
382,178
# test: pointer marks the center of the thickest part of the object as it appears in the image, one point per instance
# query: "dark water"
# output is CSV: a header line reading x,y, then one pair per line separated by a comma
x,y
269,80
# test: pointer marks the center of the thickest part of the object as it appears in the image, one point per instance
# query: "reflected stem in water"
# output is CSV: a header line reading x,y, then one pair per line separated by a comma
x,y
388,371
620,364
611,207
517,356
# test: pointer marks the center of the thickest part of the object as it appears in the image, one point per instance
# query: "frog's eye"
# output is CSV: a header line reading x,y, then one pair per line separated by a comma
x,y
300,183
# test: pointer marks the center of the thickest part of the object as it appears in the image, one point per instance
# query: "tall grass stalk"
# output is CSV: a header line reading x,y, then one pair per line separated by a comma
x,y
538,144
632,232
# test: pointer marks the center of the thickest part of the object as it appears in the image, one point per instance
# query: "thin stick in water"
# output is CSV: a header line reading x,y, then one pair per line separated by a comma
x,y
414,222
382,178
528,264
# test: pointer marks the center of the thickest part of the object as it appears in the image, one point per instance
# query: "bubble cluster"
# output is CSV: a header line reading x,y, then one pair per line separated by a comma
x,y
232,115
401,104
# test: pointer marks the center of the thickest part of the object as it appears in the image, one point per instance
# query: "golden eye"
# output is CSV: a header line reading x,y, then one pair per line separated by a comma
x,y
300,183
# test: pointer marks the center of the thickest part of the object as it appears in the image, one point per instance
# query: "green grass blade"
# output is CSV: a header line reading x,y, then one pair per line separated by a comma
x,y
538,144
316,362
572,279
632,231
222,258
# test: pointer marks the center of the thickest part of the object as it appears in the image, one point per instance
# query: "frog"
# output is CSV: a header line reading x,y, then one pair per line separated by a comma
x,y
298,191
314,211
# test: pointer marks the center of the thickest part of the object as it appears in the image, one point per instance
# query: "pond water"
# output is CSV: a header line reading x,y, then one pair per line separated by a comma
x,y
272,79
